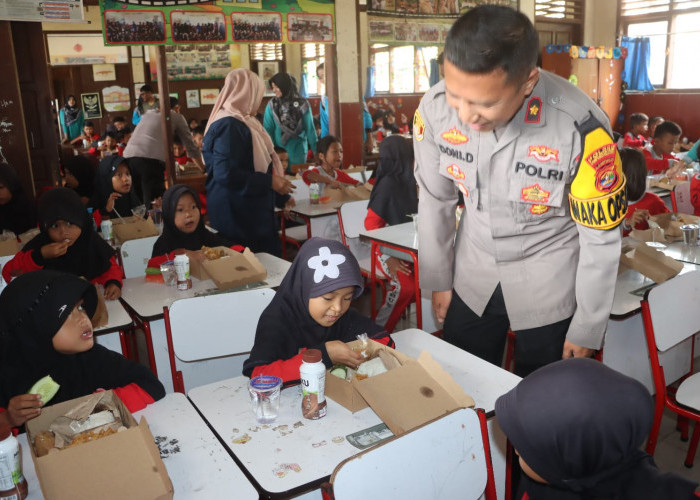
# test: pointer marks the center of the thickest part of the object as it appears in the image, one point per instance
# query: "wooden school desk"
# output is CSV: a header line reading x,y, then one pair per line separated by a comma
x,y
146,301
198,466
294,454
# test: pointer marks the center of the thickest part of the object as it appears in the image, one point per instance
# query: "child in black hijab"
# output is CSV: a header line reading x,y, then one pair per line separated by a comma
x,y
45,330
68,243
17,213
311,311
577,426
114,194
79,175
183,226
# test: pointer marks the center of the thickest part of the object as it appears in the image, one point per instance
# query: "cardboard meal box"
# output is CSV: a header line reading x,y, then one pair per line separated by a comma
x,y
669,229
232,270
8,244
133,228
651,263
404,397
124,465
348,193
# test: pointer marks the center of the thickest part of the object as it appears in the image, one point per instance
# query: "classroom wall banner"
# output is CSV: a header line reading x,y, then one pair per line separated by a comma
x,y
431,7
104,72
172,22
198,61
54,11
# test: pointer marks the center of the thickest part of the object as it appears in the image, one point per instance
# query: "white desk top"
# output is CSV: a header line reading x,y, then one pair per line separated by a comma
x,y
480,379
305,208
291,453
197,464
147,298
682,252
118,317
402,235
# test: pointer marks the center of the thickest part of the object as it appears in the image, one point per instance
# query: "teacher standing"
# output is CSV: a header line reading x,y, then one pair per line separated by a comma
x,y
288,119
245,178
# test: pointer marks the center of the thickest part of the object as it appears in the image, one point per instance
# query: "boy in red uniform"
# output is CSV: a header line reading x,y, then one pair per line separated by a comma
x,y
638,127
642,203
659,155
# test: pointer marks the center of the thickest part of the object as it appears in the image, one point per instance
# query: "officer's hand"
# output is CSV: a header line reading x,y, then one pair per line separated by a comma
x,y
572,350
441,301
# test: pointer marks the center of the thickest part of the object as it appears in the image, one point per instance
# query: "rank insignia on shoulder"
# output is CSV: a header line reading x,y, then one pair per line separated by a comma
x,y
534,194
534,109
418,126
543,153
454,136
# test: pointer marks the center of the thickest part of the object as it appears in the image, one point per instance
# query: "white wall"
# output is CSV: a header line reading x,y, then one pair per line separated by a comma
x,y
600,23
347,32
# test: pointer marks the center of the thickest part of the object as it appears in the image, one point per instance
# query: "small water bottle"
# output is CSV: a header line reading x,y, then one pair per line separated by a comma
x,y
13,485
312,373
182,269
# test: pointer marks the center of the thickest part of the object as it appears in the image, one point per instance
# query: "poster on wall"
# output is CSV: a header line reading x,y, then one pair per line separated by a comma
x,y
170,22
104,72
91,105
198,62
75,49
431,31
116,98
42,10
431,7
192,98
208,96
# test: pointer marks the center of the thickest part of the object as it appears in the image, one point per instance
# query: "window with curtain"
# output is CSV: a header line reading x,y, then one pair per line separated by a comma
x,y
403,69
673,29
312,55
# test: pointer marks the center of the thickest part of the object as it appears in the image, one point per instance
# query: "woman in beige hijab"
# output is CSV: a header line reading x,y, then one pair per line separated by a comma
x,y
245,179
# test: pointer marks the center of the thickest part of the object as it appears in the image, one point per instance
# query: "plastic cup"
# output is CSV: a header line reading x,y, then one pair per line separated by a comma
x,y
167,269
265,398
690,234
314,192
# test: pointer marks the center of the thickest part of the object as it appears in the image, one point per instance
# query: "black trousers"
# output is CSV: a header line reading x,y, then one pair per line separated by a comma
x,y
149,178
485,336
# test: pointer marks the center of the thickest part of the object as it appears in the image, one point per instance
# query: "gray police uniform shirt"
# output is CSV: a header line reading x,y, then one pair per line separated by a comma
x,y
517,228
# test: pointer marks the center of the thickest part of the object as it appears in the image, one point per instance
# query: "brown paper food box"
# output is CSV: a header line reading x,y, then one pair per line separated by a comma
x,y
671,228
666,183
133,228
9,246
123,465
405,397
651,263
349,193
234,270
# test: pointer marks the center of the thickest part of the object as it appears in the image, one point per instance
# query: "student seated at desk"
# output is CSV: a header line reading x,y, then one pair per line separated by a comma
x,y
394,197
330,159
46,330
641,203
183,226
17,213
68,243
659,155
108,147
114,192
88,138
577,427
311,310
634,138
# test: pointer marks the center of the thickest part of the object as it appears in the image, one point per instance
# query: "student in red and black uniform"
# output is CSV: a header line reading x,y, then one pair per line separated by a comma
x,y
638,127
88,135
654,122
68,243
330,159
659,155
311,310
46,330
642,203
394,198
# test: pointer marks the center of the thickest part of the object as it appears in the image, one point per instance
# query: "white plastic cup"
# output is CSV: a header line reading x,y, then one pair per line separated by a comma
x,y
107,231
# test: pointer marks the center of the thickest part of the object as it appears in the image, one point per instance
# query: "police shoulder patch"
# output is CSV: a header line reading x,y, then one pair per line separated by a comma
x,y
418,126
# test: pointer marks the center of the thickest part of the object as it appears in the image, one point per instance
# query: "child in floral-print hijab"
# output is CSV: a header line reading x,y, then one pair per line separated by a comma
x,y
311,310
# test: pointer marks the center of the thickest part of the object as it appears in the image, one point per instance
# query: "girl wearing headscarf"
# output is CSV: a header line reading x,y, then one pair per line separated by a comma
x,y
183,226
46,330
68,243
393,199
245,179
114,194
17,213
79,175
288,119
72,118
577,426
311,310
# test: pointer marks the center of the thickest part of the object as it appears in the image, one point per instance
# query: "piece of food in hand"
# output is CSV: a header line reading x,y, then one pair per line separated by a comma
x,y
339,371
371,368
46,388
43,443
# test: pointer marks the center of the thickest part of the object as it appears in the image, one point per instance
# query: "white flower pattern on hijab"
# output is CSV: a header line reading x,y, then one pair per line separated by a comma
x,y
325,264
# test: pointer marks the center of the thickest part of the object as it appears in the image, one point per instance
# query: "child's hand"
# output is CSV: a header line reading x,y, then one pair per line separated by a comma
x,y
288,208
54,250
638,216
676,167
340,353
23,407
334,184
158,203
110,201
395,265
112,292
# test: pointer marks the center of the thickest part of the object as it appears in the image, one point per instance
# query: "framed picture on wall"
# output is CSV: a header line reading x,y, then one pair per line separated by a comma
x,y
266,70
91,105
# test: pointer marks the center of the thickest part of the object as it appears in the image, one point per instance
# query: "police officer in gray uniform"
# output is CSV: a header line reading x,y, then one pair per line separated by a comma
x,y
537,248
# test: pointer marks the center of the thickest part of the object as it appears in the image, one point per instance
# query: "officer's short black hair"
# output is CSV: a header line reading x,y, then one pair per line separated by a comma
x,y
489,37
638,118
324,143
667,128
634,167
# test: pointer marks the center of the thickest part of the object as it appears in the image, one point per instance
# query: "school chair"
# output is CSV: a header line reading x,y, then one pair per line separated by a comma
x,y
680,199
135,255
671,315
212,326
296,235
449,457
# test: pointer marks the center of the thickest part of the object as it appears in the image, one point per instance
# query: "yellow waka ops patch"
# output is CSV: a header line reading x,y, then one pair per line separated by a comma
x,y
598,197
